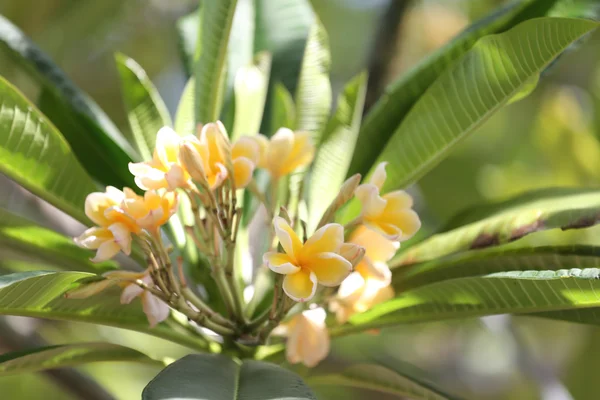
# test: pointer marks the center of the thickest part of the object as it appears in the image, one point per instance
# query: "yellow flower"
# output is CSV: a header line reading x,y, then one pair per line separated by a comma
x,y
152,210
155,309
308,341
370,283
245,154
305,265
214,137
153,174
107,241
390,214
285,152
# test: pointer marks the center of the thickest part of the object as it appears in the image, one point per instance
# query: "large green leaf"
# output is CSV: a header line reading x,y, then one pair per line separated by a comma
x,y
188,33
69,355
512,292
98,144
382,380
283,109
473,89
41,294
30,239
34,154
218,377
334,153
508,221
399,97
146,110
184,117
313,94
210,71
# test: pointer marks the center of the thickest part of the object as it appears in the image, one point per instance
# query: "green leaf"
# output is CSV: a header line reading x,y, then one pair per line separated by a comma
x,y
96,141
31,239
184,117
335,151
382,380
313,94
389,111
146,110
35,155
210,70
40,294
508,221
68,355
188,33
251,85
468,93
218,377
512,292
283,113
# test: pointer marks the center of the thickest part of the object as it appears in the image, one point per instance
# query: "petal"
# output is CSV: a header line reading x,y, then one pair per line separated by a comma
x,y
92,238
115,195
278,151
263,145
167,145
90,289
303,151
155,309
351,288
385,229
374,270
153,219
308,342
246,147
217,175
243,169
372,204
106,251
398,199
330,268
405,219
300,286
95,205
122,236
280,263
287,237
130,292
352,252
328,238
379,176
377,247
176,177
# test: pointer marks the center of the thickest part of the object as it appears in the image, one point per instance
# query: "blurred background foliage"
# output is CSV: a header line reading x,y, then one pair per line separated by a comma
x,y
548,139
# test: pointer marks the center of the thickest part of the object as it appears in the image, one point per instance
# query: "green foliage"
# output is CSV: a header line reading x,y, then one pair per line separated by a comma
x,y
34,154
30,239
508,221
382,380
68,355
105,309
72,111
390,110
218,377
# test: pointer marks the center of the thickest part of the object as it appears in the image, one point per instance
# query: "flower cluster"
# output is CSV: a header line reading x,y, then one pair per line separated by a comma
x,y
210,172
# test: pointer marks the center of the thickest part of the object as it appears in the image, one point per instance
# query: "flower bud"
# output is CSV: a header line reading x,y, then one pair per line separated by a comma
x,y
193,163
346,193
352,252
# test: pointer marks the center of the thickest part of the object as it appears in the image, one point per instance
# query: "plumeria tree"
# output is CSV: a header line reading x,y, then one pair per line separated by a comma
x,y
257,250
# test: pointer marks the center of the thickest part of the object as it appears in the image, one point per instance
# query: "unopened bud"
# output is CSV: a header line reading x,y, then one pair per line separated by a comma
x,y
86,290
346,193
193,163
352,252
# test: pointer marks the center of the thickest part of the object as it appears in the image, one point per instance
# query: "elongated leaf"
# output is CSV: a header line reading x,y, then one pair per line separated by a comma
x,y
475,87
210,70
218,377
30,239
41,294
382,380
188,33
99,145
513,292
283,113
508,221
184,117
497,259
313,94
334,154
69,355
400,96
34,154
146,110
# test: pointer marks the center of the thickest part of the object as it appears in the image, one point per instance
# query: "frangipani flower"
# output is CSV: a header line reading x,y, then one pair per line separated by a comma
x,y
152,210
155,309
390,214
107,241
152,175
370,283
245,154
305,265
285,152
308,340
